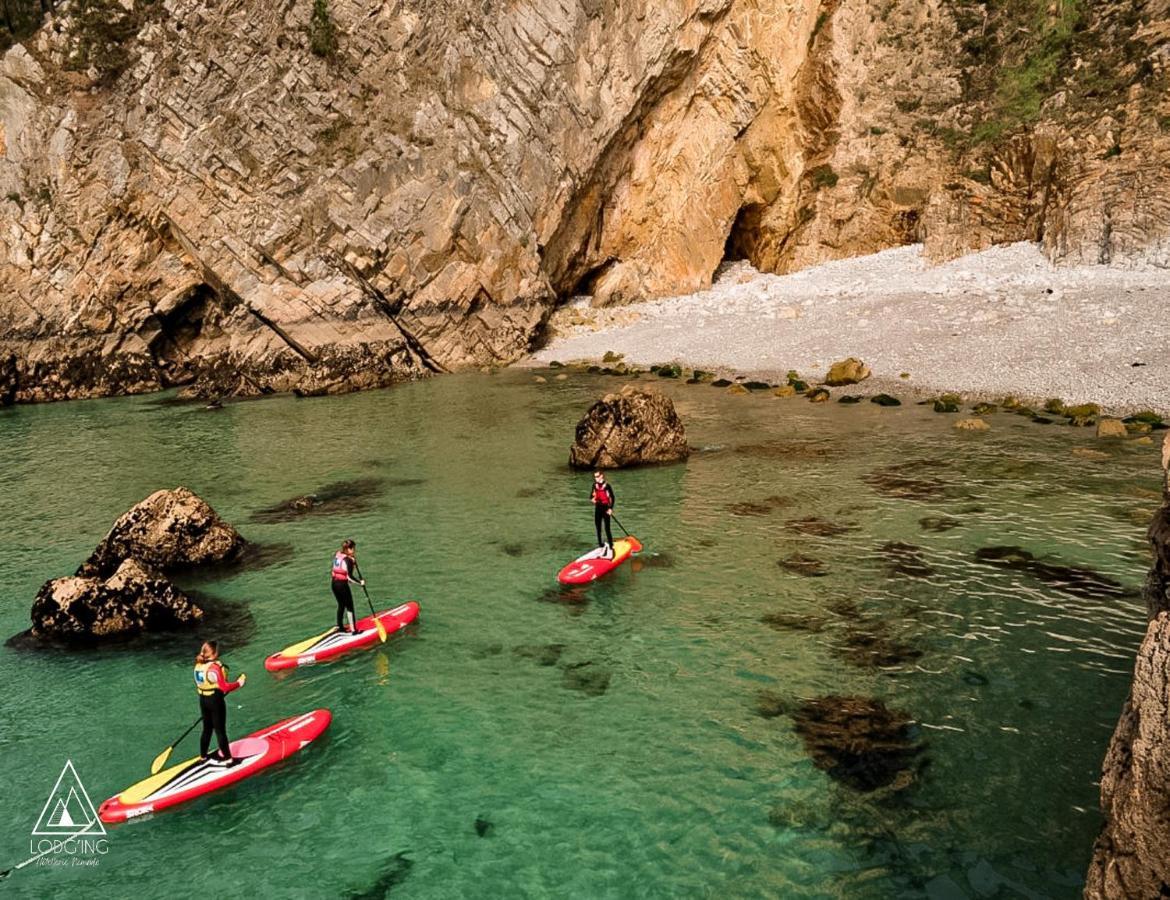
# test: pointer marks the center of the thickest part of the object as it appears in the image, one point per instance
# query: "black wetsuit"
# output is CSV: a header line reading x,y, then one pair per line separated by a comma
x,y
601,511
213,708
344,596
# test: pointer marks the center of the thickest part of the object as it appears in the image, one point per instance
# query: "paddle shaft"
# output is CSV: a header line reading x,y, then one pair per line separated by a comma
x,y
32,859
190,728
373,614
619,524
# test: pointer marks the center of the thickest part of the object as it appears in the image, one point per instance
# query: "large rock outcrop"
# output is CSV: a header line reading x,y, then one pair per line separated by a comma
x,y
633,427
199,198
134,599
1131,858
169,530
122,589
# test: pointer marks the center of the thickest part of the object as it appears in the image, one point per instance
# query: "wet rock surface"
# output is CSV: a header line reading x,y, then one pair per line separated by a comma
x,y
633,427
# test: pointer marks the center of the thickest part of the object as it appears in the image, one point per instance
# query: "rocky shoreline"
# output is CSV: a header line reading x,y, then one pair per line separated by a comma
x,y
1131,858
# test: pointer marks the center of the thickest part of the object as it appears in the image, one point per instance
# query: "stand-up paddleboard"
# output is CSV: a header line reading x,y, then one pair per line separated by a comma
x,y
593,565
197,777
333,643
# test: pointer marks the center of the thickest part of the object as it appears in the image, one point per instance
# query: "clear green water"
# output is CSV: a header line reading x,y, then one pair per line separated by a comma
x,y
667,784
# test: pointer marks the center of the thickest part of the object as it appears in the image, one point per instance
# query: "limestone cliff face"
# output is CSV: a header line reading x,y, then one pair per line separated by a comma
x,y
1131,858
228,210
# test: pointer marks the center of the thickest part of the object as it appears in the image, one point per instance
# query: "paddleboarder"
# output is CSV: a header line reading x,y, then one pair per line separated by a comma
x,y
603,500
343,575
212,685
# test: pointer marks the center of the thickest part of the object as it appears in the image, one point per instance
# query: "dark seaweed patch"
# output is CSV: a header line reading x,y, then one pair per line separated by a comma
x,y
804,565
541,654
760,507
354,495
938,523
905,560
820,527
590,680
860,742
393,873
1075,580
907,481
793,622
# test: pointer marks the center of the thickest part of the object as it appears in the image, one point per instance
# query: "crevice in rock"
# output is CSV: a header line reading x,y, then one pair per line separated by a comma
x,y
178,330
744,235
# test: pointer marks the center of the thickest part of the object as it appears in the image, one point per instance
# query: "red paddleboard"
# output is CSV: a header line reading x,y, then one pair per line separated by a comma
x,y
593,565
333,643
197,777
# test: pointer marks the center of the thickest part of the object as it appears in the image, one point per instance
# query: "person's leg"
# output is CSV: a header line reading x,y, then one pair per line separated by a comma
x,y
608,531
205,737
598,515
352,615
339,596
219,716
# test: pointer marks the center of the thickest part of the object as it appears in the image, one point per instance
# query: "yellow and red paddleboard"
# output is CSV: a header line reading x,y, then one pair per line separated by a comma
x,y
594,564
197,777
333,643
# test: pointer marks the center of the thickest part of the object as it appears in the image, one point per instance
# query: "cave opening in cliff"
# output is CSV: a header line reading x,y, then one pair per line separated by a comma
x,y
744,235
177,331
586,285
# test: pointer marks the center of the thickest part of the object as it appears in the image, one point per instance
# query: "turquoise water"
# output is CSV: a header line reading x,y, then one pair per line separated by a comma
x,y
609,742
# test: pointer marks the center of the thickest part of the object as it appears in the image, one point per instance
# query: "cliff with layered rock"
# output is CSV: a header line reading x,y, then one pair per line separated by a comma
x,y
329,195
1131,858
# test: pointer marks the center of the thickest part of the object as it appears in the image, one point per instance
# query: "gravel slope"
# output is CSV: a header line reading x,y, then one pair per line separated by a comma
x,y
992,323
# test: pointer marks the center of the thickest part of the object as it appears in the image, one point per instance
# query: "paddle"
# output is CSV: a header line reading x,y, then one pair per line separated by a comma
x,y
620,525
377,622
161,759
55,846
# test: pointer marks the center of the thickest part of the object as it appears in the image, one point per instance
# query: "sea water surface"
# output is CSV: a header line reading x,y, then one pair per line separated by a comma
x,y
632,739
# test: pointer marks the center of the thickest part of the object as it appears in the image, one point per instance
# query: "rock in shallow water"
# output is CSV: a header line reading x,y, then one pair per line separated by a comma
x,y
168,530
633,427
134,599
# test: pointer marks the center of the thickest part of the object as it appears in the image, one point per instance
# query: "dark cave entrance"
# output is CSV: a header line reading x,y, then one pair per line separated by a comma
x,y
178,330
744,236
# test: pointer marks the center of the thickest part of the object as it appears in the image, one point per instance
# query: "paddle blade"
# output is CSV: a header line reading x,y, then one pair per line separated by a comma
x,y
161,760
381,630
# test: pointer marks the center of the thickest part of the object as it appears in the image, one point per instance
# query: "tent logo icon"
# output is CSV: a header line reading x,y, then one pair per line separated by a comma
x,y
68,812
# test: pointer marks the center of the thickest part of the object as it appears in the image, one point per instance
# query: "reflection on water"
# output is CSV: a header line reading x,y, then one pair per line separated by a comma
x,y
923,716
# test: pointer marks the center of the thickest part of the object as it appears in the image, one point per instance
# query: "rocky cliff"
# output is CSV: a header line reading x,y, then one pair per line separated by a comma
x,y
323,195
1131,858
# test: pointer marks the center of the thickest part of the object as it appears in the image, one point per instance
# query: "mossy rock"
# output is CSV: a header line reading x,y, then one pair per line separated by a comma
x,y
885,400
1055,406
612,357
720,383
818,395
1010,402
700,375
757,385
983,409
785,390
593,370
1138,427
800,386
670,370
1082,421
737,389
1041,420
849,398
943,406
556,364
1145,417
1082,411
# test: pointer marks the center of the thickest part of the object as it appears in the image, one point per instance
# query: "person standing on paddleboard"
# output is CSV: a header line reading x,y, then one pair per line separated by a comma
x,y
212,685
344,567
603,499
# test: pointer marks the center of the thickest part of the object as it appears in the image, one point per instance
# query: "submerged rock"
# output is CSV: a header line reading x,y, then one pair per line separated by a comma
x,y
1075,580
971,425
132,600
770,704
541,654
907,481
633,427
793,622
591,680
938,523
860,742
804,565
870,645
1111,428
349,496
905,559
168,530
820,527
760,507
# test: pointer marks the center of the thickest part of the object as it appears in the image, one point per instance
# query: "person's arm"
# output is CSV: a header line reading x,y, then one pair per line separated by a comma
x,y
350,566
609,493
217,676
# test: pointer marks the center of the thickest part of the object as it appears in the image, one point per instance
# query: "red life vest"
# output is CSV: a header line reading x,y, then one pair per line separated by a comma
x,y
601,494
340,569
